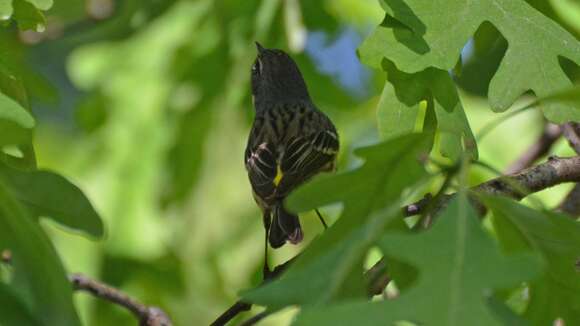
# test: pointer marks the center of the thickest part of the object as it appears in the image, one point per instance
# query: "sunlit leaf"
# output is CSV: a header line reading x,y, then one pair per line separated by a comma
x,y
15,122
6,9
434,34
400,103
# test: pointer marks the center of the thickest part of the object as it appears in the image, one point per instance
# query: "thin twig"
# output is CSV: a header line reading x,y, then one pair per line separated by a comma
x,y
539,148
231,313
377,278
321,218
241,306
417,207
571,203
148,316
571,131
256,318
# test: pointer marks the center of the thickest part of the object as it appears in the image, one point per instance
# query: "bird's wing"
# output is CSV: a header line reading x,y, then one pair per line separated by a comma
x,y
304,157
276,167
262,169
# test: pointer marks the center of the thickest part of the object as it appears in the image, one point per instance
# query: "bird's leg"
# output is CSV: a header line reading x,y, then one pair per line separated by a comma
x,y
266,269
321,218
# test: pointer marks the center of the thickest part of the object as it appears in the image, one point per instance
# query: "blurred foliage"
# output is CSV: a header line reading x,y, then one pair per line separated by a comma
x,y
145,105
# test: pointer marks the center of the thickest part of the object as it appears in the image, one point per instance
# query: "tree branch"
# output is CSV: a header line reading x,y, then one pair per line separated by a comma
x,y
548,174
541,147
148,316
377,278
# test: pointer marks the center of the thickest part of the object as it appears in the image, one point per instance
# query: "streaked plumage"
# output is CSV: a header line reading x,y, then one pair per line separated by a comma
x,y
290,141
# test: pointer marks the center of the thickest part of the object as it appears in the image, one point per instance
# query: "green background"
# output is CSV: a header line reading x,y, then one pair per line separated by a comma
x,y
145,105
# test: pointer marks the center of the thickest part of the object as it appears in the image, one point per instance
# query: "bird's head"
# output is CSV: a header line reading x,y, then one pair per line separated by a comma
x,y
276,77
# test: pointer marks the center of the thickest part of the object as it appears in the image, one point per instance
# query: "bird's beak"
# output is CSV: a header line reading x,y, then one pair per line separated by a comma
x,y
259,47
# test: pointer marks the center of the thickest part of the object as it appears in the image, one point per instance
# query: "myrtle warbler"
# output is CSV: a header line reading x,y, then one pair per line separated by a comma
x,y
290,141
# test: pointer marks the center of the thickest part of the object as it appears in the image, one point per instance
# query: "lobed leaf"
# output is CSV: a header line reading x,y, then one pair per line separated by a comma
x,y
433,34
557,238
400,101
459,268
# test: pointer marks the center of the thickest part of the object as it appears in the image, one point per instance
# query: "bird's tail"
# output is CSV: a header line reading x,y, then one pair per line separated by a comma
x,y
285,227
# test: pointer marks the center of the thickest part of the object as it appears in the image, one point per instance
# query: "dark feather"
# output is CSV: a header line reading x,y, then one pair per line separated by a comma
x,y
261,166
290,142
305,157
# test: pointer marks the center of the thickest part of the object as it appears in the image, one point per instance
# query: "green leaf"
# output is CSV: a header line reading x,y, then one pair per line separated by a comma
x,y
12,310
399,107
28,15
51,195
41,4
434,35
557,238
456,261
41,278
331,266
569,97
15,122
5,10
487,47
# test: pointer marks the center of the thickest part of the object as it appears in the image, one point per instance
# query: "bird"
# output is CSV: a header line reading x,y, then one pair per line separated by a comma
x,y
290,141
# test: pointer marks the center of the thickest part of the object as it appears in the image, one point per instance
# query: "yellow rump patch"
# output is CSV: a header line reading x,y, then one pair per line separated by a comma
x,y
279,176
